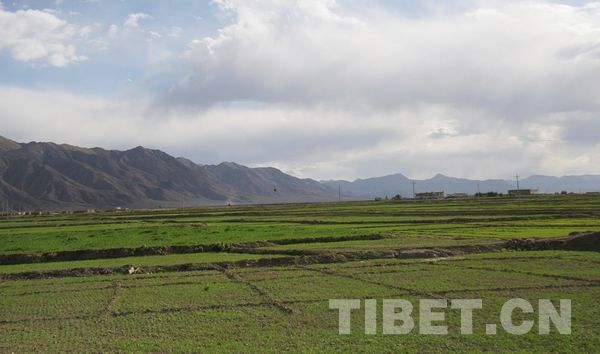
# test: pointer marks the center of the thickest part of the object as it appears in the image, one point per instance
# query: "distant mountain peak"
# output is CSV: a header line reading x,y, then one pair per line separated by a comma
x,y
230,165
138,149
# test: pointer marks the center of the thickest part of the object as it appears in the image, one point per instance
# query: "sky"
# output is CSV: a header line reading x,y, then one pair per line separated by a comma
x,y
318,88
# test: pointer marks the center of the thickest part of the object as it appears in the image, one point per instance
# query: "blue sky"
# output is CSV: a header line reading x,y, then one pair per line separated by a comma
x,y
318,88
109,70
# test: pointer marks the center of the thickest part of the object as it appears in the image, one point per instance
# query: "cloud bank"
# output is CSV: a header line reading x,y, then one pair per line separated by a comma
x,y
507,56
331,89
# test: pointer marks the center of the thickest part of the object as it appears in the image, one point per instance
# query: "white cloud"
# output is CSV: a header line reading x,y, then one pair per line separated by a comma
x,y
506,55
112,30
133,20
52,11
316,142
494,87
154,34
32,35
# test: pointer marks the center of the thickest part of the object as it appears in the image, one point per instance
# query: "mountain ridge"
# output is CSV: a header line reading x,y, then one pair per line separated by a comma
x,y
45,175
393,184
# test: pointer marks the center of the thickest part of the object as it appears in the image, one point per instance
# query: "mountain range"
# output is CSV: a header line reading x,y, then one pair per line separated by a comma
x,y
51,176
43,176
399,184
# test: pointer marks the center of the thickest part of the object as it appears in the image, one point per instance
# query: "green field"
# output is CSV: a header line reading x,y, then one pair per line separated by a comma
x,y
259,278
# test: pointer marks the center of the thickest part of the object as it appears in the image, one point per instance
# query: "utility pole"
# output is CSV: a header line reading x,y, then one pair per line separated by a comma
x,y
517,175
478,192
339,193
413,185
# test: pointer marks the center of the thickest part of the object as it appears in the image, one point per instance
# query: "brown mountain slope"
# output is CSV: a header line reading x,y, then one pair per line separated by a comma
x,y
7,144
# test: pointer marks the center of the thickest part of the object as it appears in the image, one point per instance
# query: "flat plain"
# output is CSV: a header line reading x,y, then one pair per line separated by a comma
x,y
259,278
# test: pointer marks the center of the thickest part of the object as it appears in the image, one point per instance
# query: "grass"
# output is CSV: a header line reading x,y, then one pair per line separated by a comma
x,y
478,218
285,308
207,311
